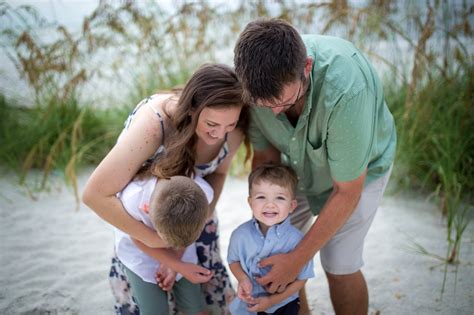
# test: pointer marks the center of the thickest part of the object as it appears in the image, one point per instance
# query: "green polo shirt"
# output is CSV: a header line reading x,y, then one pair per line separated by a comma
x,y
345,126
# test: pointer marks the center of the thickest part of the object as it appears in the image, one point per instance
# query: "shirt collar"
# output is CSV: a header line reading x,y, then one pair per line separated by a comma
x,y
308,102
278,229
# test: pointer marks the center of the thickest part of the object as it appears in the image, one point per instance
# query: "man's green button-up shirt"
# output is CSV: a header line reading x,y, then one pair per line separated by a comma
x,y
345,126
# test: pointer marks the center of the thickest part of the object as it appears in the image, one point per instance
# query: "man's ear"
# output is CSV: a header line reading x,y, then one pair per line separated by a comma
x,y
293,205
308,66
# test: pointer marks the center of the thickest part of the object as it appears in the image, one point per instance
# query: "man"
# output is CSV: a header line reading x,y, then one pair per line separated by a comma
x,y
318,106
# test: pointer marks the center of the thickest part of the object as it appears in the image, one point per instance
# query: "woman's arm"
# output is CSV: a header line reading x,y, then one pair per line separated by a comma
x,y
117,169
217,178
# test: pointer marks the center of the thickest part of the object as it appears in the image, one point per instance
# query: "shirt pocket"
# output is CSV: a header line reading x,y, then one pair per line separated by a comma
x,y
319,178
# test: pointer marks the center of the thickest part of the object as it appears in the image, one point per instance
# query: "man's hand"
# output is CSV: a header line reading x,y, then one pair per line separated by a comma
x,y
244,291
194,273
284,270
260,304
165,277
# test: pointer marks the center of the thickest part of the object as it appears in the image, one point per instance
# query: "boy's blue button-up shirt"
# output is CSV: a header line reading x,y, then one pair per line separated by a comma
x,y
248,246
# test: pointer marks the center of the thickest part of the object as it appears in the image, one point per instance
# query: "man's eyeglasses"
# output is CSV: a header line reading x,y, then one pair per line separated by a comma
x,y
298,97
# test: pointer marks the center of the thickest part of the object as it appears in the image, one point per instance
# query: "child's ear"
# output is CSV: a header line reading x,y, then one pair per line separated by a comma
x,y
293,205
249,200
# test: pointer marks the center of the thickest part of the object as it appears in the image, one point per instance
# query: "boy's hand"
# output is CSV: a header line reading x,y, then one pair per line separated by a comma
x,y
260,304
195,274
244,290
165,277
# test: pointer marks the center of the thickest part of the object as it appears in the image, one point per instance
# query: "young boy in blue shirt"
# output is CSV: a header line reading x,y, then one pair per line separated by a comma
x,y
272,198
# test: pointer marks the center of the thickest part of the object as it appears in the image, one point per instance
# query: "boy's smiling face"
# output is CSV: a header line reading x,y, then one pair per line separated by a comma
x,y
271,204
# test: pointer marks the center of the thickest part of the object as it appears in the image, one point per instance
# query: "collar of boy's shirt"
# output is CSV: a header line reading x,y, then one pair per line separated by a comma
x,y
278,229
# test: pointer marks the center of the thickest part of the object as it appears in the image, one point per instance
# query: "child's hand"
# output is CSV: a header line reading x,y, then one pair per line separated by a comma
x,y
244,291
195,274
165,277
260,304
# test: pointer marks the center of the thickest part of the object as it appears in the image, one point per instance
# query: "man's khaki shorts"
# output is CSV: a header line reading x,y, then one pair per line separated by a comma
x,y
342,254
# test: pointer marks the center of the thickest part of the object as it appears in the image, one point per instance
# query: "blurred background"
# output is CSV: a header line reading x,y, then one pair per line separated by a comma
x,y
71,71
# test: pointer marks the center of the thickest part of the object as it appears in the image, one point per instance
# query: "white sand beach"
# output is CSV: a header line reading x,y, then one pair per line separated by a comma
x,y
55,259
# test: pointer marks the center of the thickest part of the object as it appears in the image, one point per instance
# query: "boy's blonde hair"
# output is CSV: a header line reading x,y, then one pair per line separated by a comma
x,y
280,175
178,210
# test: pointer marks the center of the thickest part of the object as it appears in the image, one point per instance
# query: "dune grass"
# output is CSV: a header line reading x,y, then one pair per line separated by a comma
x,y
430,96
57,136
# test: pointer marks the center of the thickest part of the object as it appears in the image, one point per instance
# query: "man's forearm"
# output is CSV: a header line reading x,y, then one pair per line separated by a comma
x,y
334,214
291,289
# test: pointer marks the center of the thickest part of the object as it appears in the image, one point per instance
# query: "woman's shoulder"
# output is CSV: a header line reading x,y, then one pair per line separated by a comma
x,y
234,138
153,108
161,103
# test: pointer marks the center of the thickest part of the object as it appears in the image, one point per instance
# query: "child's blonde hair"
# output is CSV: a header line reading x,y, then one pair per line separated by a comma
x,y
280,175
178,210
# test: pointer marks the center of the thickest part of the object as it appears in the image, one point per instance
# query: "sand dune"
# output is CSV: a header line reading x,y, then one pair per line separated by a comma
x,y
55,259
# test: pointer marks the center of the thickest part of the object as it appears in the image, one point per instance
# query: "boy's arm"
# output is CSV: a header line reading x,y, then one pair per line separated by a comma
x,y
265,302
244,288
172,259
237,271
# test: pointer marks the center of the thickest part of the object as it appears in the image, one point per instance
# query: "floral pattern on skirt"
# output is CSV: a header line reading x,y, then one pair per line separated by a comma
x,y
218,292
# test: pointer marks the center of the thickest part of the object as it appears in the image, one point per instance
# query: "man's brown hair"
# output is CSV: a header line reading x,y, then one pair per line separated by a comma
x,y
178,210
279,175
269,54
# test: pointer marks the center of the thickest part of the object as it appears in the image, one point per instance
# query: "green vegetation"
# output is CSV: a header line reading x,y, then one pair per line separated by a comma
x,y
59,136
430,81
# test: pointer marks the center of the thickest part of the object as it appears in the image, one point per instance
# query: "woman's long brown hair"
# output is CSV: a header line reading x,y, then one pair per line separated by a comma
x,y
212,85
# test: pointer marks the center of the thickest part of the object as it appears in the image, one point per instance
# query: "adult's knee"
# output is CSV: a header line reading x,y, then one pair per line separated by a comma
x,y
341,278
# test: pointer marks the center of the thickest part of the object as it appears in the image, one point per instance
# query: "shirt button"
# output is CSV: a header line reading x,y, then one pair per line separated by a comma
x,y
294,162
293,139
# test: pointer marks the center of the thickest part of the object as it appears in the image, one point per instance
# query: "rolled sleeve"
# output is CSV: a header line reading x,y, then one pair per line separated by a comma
x,y
232,251
350,136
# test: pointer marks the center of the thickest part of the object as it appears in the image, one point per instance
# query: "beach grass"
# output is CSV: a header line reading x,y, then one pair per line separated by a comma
x,y
430,96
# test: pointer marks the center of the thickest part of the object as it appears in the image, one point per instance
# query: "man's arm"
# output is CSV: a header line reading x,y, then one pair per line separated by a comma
x,y
264,302
336,211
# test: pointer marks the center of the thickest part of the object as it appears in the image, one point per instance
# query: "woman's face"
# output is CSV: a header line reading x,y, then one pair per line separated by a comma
x,y
214,123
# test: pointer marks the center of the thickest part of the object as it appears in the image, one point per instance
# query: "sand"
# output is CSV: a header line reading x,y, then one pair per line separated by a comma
x,y
55,259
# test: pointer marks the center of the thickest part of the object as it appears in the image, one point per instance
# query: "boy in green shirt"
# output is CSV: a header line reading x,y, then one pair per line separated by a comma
x,y
318,106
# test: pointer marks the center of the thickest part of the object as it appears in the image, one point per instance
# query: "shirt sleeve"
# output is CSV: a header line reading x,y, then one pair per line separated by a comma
x,y
350,135
233,250
258,140
307,271
208,191
130,197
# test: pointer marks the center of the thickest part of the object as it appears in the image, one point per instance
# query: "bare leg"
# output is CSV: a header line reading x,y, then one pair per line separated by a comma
x,y
304,306
349,294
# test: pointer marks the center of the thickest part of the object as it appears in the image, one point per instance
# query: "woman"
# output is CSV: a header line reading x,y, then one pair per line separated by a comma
x,y
193,132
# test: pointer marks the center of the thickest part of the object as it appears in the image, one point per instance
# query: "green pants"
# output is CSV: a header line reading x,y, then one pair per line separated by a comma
x,y
151,299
